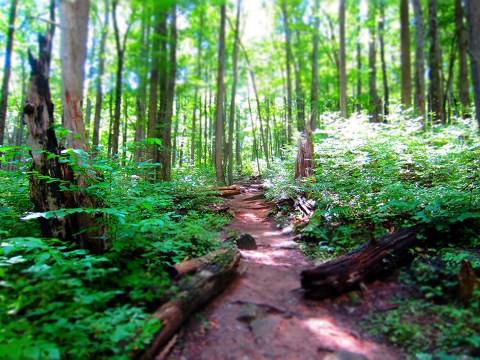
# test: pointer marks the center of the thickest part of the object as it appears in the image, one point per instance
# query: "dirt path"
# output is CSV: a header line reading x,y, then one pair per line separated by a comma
x,y
263,315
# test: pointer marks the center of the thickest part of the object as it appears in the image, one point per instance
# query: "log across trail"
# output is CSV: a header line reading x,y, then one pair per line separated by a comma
x,y
263,314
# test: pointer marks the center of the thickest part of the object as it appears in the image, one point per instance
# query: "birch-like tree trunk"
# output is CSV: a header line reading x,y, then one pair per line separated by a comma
x,y
419,56
473,19
220,122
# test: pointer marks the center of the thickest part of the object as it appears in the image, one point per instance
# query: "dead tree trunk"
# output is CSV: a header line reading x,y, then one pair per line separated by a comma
x,y
210,279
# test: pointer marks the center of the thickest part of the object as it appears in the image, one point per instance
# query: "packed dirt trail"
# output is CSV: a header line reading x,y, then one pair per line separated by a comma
x,y
262,314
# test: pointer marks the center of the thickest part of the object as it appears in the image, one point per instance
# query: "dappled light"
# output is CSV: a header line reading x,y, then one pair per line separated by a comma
x,y
239,179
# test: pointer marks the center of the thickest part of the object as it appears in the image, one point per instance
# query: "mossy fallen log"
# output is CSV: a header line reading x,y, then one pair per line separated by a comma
x,y
210,279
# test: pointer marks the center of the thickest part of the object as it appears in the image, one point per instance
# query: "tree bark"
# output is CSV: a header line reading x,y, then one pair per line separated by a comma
x,y
473,19
419,57
231,121
288,51
166,122
375,103
210,279
386,91
406,63
316,43
342,62
463,78
101,71
436,105
7,68
121,47
220,124
370,261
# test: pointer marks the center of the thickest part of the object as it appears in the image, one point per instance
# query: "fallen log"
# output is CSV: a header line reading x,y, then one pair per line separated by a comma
x,y
210,279
371,261
191,266
228,190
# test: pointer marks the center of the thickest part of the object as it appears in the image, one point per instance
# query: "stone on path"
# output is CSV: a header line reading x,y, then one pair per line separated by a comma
x,y
244,241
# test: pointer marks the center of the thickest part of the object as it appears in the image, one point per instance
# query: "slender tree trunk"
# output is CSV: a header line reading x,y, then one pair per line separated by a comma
x,y
435,60
196,99
386,92
153,130
406,63
220,125
7,68
315,56
121,47
473,20
359,73
419,57
231,121
288,50
101,71
142,72
375,103
342,62
166,125
463,80
299,93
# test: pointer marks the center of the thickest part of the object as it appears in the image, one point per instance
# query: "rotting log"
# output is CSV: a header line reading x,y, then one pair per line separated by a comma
x,y
191,266
208,281
371,261
228,190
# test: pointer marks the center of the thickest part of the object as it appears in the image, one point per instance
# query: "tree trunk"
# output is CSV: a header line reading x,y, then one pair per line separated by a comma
x,y
462,38
7,68
210,279
342,62
406,63
101,71
288,50
67,190
219,120
231,121
375,103
152,129
436,106
359,72
419,57
386,92
370,261
121,47
473,19
316,42
166,124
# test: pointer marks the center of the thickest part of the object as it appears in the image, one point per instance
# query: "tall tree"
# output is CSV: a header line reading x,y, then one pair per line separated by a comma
x,y
231,121
220,121
381,30
375,102
101,71
419,56
166,116
315,56
473,19
406,63
462,39
288,51
121,48
436,104
342,62
54,184
7,68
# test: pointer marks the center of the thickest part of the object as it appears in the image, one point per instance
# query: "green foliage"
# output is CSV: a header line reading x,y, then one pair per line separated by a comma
x,y
374,178
57,301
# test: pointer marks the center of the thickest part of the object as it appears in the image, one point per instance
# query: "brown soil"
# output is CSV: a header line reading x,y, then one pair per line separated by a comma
x,y
263,315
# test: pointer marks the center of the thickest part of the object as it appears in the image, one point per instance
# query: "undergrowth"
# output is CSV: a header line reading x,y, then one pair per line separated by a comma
x,y
373,179
57,301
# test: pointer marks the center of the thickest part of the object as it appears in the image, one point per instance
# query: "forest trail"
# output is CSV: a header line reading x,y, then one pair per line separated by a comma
x,y
262,314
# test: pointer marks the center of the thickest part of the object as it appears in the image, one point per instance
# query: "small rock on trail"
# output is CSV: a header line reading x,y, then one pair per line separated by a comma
x,y
262,314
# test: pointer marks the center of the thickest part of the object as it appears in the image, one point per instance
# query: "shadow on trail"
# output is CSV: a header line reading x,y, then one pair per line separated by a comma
x,y
263,314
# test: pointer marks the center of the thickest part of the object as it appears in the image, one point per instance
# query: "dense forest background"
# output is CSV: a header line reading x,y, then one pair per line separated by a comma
x,y
117,115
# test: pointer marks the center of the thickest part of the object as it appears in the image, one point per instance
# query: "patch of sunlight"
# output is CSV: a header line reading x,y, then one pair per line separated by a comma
x,y
326,330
